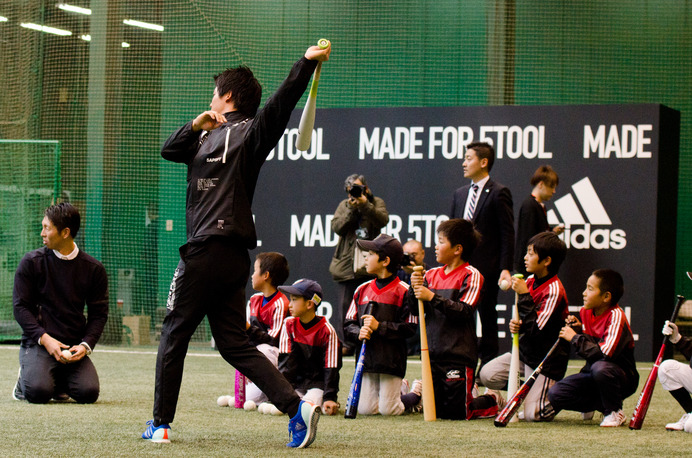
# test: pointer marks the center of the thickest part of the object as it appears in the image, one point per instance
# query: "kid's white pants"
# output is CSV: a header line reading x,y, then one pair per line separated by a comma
x,y
674,375
380,393
252,392
495,373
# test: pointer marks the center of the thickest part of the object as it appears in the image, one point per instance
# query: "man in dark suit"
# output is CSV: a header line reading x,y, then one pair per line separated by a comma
x,y
489,205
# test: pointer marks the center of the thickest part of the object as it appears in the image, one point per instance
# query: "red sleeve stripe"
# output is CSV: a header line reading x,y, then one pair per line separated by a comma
x,y
278,317
545,312
612,334
474,287
331,354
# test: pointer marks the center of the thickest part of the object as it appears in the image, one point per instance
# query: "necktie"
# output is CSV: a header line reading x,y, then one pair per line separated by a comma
x,y
472,204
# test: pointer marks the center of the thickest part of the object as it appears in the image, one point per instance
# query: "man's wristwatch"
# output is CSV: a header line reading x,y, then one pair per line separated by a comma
x,y
87,347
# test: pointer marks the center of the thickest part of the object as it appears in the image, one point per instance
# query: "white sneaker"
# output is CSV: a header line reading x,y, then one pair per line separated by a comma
x,y
614,419
688,424
678,425
586,416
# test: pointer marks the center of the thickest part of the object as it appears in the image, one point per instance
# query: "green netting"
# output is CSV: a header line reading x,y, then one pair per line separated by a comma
x,y
112,104
29,182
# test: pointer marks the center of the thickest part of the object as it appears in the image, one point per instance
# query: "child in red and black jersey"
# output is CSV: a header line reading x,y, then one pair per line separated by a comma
x,y
604,339
542,304
450,295
310,352
386,328
268,309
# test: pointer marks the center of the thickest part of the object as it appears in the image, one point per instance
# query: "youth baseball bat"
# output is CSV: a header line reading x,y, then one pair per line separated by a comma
x,y
354,392
240,382
513,382
645,397
429,413
518,399
307,119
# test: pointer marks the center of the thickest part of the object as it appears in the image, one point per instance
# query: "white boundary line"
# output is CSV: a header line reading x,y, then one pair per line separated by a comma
x,y
217,355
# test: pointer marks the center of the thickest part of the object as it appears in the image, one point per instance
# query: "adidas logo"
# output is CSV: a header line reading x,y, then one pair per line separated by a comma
x,y
580,218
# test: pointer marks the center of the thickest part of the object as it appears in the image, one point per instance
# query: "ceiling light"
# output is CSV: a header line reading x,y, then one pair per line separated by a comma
x,y
73,9
45,28
144,25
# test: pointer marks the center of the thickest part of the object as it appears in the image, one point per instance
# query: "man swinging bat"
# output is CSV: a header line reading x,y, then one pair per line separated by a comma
x,y
224,149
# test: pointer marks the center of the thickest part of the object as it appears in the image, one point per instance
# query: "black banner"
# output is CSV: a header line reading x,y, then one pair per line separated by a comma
x,y
617,195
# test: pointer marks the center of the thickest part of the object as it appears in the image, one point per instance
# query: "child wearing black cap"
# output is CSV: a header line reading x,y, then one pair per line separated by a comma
x,y
309,348
386,329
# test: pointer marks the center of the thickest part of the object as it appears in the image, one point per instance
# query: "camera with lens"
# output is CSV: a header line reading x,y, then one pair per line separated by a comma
x,y
406,259
356,190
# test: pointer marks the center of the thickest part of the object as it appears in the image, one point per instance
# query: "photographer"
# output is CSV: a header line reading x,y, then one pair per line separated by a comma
x,y
360,216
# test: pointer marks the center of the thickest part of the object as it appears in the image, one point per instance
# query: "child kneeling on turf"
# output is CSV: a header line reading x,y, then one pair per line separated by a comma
x,y
542,304
604,339
309,348
268,309
676,377
450,294
385,329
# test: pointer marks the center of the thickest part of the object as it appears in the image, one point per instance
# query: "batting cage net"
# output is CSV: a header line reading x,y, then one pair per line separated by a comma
x,y
110,80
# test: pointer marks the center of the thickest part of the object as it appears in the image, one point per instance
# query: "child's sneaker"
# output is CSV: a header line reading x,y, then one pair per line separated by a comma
x,y
158,434
679,425
302,428
614,419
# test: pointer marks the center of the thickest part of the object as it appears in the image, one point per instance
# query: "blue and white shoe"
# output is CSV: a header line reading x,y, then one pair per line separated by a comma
x,y
303,427
159,434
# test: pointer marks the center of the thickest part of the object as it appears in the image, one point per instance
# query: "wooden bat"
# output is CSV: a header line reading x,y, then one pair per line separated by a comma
x,y
307,119
518,399
645,397
513,382
429,413
240,382
354,392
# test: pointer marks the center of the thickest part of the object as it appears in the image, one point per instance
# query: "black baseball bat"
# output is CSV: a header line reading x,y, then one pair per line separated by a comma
x,y
354,392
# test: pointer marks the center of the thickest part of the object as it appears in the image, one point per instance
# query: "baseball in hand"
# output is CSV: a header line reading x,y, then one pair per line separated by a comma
x,y
66,354
504,285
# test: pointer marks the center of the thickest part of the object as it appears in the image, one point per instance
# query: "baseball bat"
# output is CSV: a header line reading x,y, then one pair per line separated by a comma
x,y
240,382
354,392
645,397
513,382
307,119
429,413
518,399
